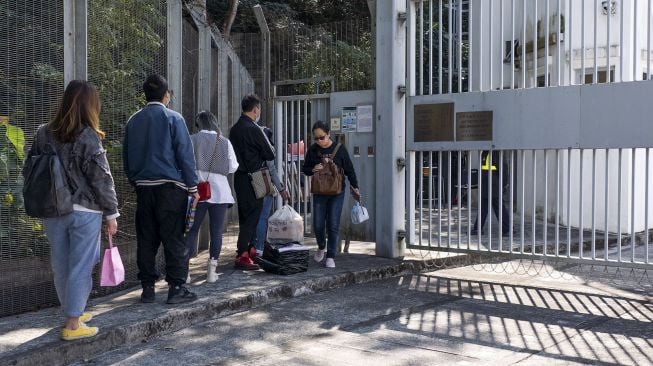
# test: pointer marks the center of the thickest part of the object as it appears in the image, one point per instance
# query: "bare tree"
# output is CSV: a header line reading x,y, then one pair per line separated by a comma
x,y
229,19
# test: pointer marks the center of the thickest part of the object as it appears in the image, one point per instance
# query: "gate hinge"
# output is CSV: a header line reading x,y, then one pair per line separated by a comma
x,y
401,235
401,89
401,163
402,16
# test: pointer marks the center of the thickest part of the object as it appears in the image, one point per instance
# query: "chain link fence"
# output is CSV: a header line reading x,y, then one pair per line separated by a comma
x,y
127,40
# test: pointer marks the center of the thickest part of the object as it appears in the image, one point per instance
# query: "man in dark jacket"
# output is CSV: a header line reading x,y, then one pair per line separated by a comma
x,y
158,160
252,151
490,173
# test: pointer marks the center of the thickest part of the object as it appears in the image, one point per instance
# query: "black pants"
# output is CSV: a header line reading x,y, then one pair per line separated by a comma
x,y
161,217
497,196
249,210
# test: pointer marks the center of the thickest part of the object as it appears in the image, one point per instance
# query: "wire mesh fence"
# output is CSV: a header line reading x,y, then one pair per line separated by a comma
x,y
127,40
340,51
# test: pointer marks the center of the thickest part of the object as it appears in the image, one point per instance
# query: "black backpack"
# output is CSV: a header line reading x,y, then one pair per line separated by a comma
x,y
45,189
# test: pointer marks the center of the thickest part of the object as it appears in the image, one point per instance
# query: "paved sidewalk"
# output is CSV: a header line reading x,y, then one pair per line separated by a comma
x,y
33,338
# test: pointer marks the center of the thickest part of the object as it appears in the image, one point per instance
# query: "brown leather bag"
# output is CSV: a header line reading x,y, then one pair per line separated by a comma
x,y
328,181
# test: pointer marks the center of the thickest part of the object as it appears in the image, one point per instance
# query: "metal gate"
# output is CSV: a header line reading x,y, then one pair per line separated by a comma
x,y
551,92
294,117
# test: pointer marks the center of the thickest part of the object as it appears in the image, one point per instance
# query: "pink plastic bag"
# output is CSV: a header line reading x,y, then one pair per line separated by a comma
x,y
113,272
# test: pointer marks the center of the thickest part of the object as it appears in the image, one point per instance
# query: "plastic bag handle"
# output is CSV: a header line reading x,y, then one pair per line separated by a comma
x,y
110,241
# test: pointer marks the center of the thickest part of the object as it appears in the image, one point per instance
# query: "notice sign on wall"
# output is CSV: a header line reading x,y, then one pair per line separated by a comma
x,y
348,121
433,122
365,118
474,126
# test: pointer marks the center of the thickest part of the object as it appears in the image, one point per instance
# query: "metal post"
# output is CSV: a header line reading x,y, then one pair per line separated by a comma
x,y
265,41
75,40
204,64
391,119
175,50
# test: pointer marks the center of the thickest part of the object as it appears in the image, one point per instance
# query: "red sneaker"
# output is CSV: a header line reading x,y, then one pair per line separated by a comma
x,y
252,252
244,262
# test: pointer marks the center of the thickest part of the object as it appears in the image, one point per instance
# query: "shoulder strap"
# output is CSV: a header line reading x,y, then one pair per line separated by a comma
x,y
335,151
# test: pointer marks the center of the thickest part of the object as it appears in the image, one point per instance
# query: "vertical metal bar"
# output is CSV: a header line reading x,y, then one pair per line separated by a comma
x,y
430,195
490,173
545,189
307,138
648,37
479,225
450,49
501,79
512,45
449,199
557,217
535,35
470,32
593,203
431,47
512,198
621,44
546,44
596,41
523,198
570,40
411,49
582,40
523,48
440,50
619,193
568,202
646,203
559,49
459,194
293,106
635,31
500,190
439,198
469,199
533,213
421,48
607,47
580,204
491,42
633,176
460,46
607,203
420,216
480,48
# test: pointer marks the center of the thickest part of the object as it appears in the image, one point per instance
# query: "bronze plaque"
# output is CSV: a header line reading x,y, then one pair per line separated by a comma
x,y
433,122
474,126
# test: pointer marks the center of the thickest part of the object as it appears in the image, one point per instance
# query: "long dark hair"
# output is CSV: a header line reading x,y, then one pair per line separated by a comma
x,y
80,105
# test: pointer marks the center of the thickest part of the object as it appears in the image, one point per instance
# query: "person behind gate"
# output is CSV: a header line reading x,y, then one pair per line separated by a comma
x,y
327,208
489,173
158,160
75,238
215,159
252,151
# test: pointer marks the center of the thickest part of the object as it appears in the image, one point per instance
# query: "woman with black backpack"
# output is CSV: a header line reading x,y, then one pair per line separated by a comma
x,y
328,163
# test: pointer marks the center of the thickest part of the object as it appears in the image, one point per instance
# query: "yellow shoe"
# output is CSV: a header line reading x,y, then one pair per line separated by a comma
x,y
85,317
82,331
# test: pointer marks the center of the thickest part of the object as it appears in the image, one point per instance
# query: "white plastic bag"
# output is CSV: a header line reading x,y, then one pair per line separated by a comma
x,y
285,225
359,214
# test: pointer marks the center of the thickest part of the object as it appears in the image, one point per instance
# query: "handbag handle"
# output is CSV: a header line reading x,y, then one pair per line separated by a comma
x,y
215,149
110,241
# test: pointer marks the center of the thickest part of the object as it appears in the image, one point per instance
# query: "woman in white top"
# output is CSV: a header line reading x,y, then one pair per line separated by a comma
x,y
214,159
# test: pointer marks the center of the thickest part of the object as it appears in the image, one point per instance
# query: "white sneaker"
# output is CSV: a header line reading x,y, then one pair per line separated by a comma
x,y
188,279
211,276
319,255
259,253
330,263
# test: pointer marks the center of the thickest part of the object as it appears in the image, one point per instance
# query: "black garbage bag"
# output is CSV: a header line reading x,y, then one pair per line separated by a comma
x,y
284,258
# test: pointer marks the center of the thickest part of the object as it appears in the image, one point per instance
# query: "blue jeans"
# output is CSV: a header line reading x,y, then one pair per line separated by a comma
x,y
217,213
262,226
326,215
74,251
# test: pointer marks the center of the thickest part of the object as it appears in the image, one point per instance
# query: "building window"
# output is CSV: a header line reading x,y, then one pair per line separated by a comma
x,y
601,77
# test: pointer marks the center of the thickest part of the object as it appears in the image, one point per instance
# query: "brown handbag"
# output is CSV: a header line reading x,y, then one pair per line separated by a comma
x,y
328,180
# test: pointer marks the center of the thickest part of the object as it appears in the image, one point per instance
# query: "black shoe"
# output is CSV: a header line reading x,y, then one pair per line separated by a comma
x,y
180,295
147,296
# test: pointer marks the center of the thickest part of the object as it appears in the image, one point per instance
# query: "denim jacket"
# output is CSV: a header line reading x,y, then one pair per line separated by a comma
x,y
87,169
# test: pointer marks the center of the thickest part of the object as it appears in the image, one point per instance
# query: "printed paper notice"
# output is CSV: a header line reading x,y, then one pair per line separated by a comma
x,y
335,124
348,122
365,118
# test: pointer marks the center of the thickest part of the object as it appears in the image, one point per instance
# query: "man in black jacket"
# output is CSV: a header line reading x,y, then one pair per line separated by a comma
x,y
490,172
252,151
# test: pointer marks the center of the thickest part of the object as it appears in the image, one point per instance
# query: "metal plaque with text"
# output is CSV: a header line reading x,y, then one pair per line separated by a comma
x,y
433,122
474,126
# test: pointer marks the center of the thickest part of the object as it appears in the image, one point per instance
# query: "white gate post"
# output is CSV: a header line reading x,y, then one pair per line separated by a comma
x,y
391,130
75,40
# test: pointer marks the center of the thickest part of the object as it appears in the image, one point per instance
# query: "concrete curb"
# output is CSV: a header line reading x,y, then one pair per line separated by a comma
x,y
62,353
